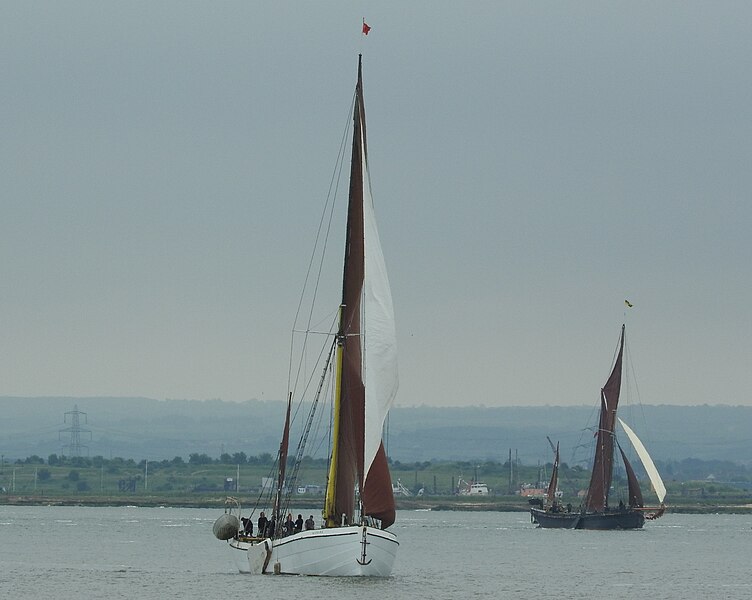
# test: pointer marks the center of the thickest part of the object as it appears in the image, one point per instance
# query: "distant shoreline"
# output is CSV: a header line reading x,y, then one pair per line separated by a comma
x,y
430,503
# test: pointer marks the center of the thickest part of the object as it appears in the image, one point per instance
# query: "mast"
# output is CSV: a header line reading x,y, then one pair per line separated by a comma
x,y
554,483
283,450
366,342
330,508
603,464
348,429
379,357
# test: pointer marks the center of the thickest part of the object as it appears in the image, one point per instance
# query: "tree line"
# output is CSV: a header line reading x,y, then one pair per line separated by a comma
x,y
675,470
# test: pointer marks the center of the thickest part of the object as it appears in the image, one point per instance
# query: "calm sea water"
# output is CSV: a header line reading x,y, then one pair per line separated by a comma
x,y
153,553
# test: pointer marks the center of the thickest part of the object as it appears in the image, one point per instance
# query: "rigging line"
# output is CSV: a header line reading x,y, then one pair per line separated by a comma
x,y
258,501
334,183
323,380
329,440
304,349
312,332
330,202
325,318
332,327
616,350
311,378
336,178
317,426
630,363
270,474
292,482
589,445
330,197
302,362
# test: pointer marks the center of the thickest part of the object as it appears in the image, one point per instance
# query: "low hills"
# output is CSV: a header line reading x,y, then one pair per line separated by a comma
x,y
151,429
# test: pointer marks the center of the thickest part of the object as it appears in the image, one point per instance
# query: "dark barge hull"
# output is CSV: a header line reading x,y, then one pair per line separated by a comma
x,y
616,519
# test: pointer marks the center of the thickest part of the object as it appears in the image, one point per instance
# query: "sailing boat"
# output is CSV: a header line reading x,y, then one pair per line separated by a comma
x,y
596,512
352,539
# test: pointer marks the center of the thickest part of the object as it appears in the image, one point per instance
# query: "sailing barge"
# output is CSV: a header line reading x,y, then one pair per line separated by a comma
x,y
597,512
359,365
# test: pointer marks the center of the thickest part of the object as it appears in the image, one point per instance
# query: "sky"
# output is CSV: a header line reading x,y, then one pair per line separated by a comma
x,y
163,166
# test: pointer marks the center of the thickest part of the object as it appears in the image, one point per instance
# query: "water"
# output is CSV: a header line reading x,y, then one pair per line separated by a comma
x,y
153,553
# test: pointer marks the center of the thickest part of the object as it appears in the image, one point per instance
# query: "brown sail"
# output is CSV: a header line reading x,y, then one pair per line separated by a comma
x,y
376,494
554,483
635,493
603,465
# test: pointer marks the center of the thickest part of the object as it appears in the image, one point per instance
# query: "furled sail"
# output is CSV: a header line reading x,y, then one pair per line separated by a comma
x,y
283,451
647,462
603,465
554,483
366,352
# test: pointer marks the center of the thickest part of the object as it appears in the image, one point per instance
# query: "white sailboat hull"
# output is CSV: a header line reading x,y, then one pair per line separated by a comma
x,y
356,551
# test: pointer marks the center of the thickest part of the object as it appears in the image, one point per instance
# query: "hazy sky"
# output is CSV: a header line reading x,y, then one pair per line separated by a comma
x,y
163,166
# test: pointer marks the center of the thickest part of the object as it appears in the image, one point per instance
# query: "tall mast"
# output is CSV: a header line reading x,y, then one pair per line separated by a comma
x,y
554,483
346,469
283,450
330,510
366,347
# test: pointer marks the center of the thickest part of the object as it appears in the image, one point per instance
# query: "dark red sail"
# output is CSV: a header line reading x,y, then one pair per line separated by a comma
x,y
635,493
603,465
376,495
554,483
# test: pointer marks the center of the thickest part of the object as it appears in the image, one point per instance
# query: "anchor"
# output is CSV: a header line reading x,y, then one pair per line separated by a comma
x,y
363,562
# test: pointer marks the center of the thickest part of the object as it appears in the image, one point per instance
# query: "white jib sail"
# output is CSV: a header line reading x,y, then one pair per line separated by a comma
x,y
380,337
647,462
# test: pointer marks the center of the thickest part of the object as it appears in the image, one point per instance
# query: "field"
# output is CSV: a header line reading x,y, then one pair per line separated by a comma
x,y
204,482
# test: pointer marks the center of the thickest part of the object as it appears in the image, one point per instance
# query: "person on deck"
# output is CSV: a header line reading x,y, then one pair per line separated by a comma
x,y
289,525
310,523
262,522
247,526
299,524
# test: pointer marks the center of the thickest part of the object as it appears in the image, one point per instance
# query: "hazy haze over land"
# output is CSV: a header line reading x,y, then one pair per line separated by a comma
x,y
163,166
